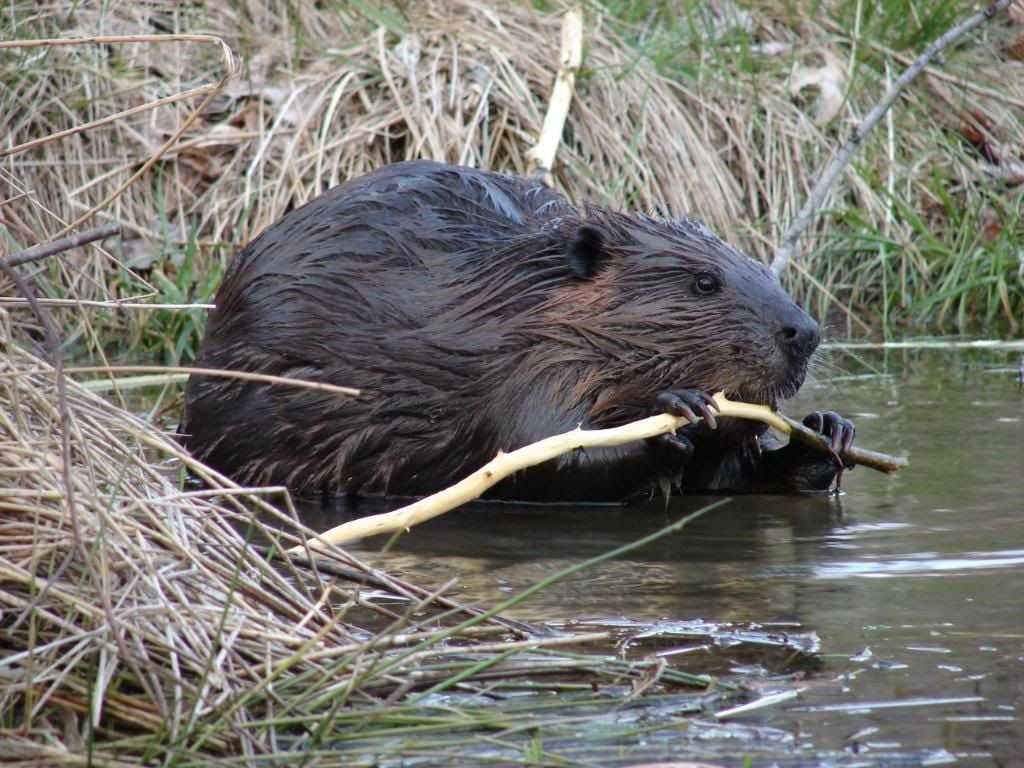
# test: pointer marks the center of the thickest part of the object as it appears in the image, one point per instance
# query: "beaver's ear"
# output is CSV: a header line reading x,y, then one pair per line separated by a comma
x,y
586,252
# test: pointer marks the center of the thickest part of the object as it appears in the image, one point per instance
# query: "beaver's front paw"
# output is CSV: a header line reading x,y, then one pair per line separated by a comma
x,y
687,403
673,451
834,428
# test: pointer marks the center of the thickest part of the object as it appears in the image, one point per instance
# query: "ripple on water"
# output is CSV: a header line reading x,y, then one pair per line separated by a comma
x,y
919,564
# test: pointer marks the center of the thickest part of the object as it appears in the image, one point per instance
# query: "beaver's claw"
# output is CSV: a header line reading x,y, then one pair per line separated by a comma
x,y
687,403
837,430
680,446
675,450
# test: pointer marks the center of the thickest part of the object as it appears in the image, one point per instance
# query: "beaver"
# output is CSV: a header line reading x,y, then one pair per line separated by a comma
x,y
479,312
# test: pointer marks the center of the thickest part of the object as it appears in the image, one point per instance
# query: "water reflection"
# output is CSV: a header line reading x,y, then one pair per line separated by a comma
x,y
911,582
921,563
712,569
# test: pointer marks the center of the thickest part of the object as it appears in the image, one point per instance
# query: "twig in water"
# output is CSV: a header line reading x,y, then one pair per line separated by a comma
x,y
765,701
842,158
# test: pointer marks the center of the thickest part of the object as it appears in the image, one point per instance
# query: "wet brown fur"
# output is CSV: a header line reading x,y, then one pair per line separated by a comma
x,y
446,294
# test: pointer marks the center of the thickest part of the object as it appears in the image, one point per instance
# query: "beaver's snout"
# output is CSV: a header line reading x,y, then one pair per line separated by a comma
x,y
799,335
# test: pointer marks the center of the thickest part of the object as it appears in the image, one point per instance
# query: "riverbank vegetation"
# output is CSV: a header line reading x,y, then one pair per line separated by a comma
x,y
721,110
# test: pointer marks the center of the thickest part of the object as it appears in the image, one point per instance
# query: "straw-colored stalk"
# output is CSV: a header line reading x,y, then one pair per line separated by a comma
x,y
159,619
542,155
231,68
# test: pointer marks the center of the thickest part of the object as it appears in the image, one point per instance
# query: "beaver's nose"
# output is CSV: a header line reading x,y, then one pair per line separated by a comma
x,y
799,336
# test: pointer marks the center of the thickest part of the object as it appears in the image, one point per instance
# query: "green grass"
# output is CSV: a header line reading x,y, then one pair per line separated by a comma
x,y
172,336
957,269
937,252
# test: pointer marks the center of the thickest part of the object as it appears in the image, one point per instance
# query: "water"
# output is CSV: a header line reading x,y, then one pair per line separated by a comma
x,y
913,584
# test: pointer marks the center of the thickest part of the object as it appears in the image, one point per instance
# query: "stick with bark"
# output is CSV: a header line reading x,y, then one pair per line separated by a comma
x,y
45,250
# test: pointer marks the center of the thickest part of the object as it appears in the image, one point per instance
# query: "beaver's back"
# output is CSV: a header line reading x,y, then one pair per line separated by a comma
x,y
395,283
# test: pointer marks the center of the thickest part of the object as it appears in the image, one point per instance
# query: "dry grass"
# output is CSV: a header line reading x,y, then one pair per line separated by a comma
x,y
469,85
140,624
711,128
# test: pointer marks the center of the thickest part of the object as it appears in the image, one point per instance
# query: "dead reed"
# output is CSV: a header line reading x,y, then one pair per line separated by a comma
x,y
727,115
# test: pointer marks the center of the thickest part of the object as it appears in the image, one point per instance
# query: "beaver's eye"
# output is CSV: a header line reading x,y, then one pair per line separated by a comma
x,y
706,284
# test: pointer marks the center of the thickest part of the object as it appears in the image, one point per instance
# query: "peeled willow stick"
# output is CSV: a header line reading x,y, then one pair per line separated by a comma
x,y
863,457
505,464
542,155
